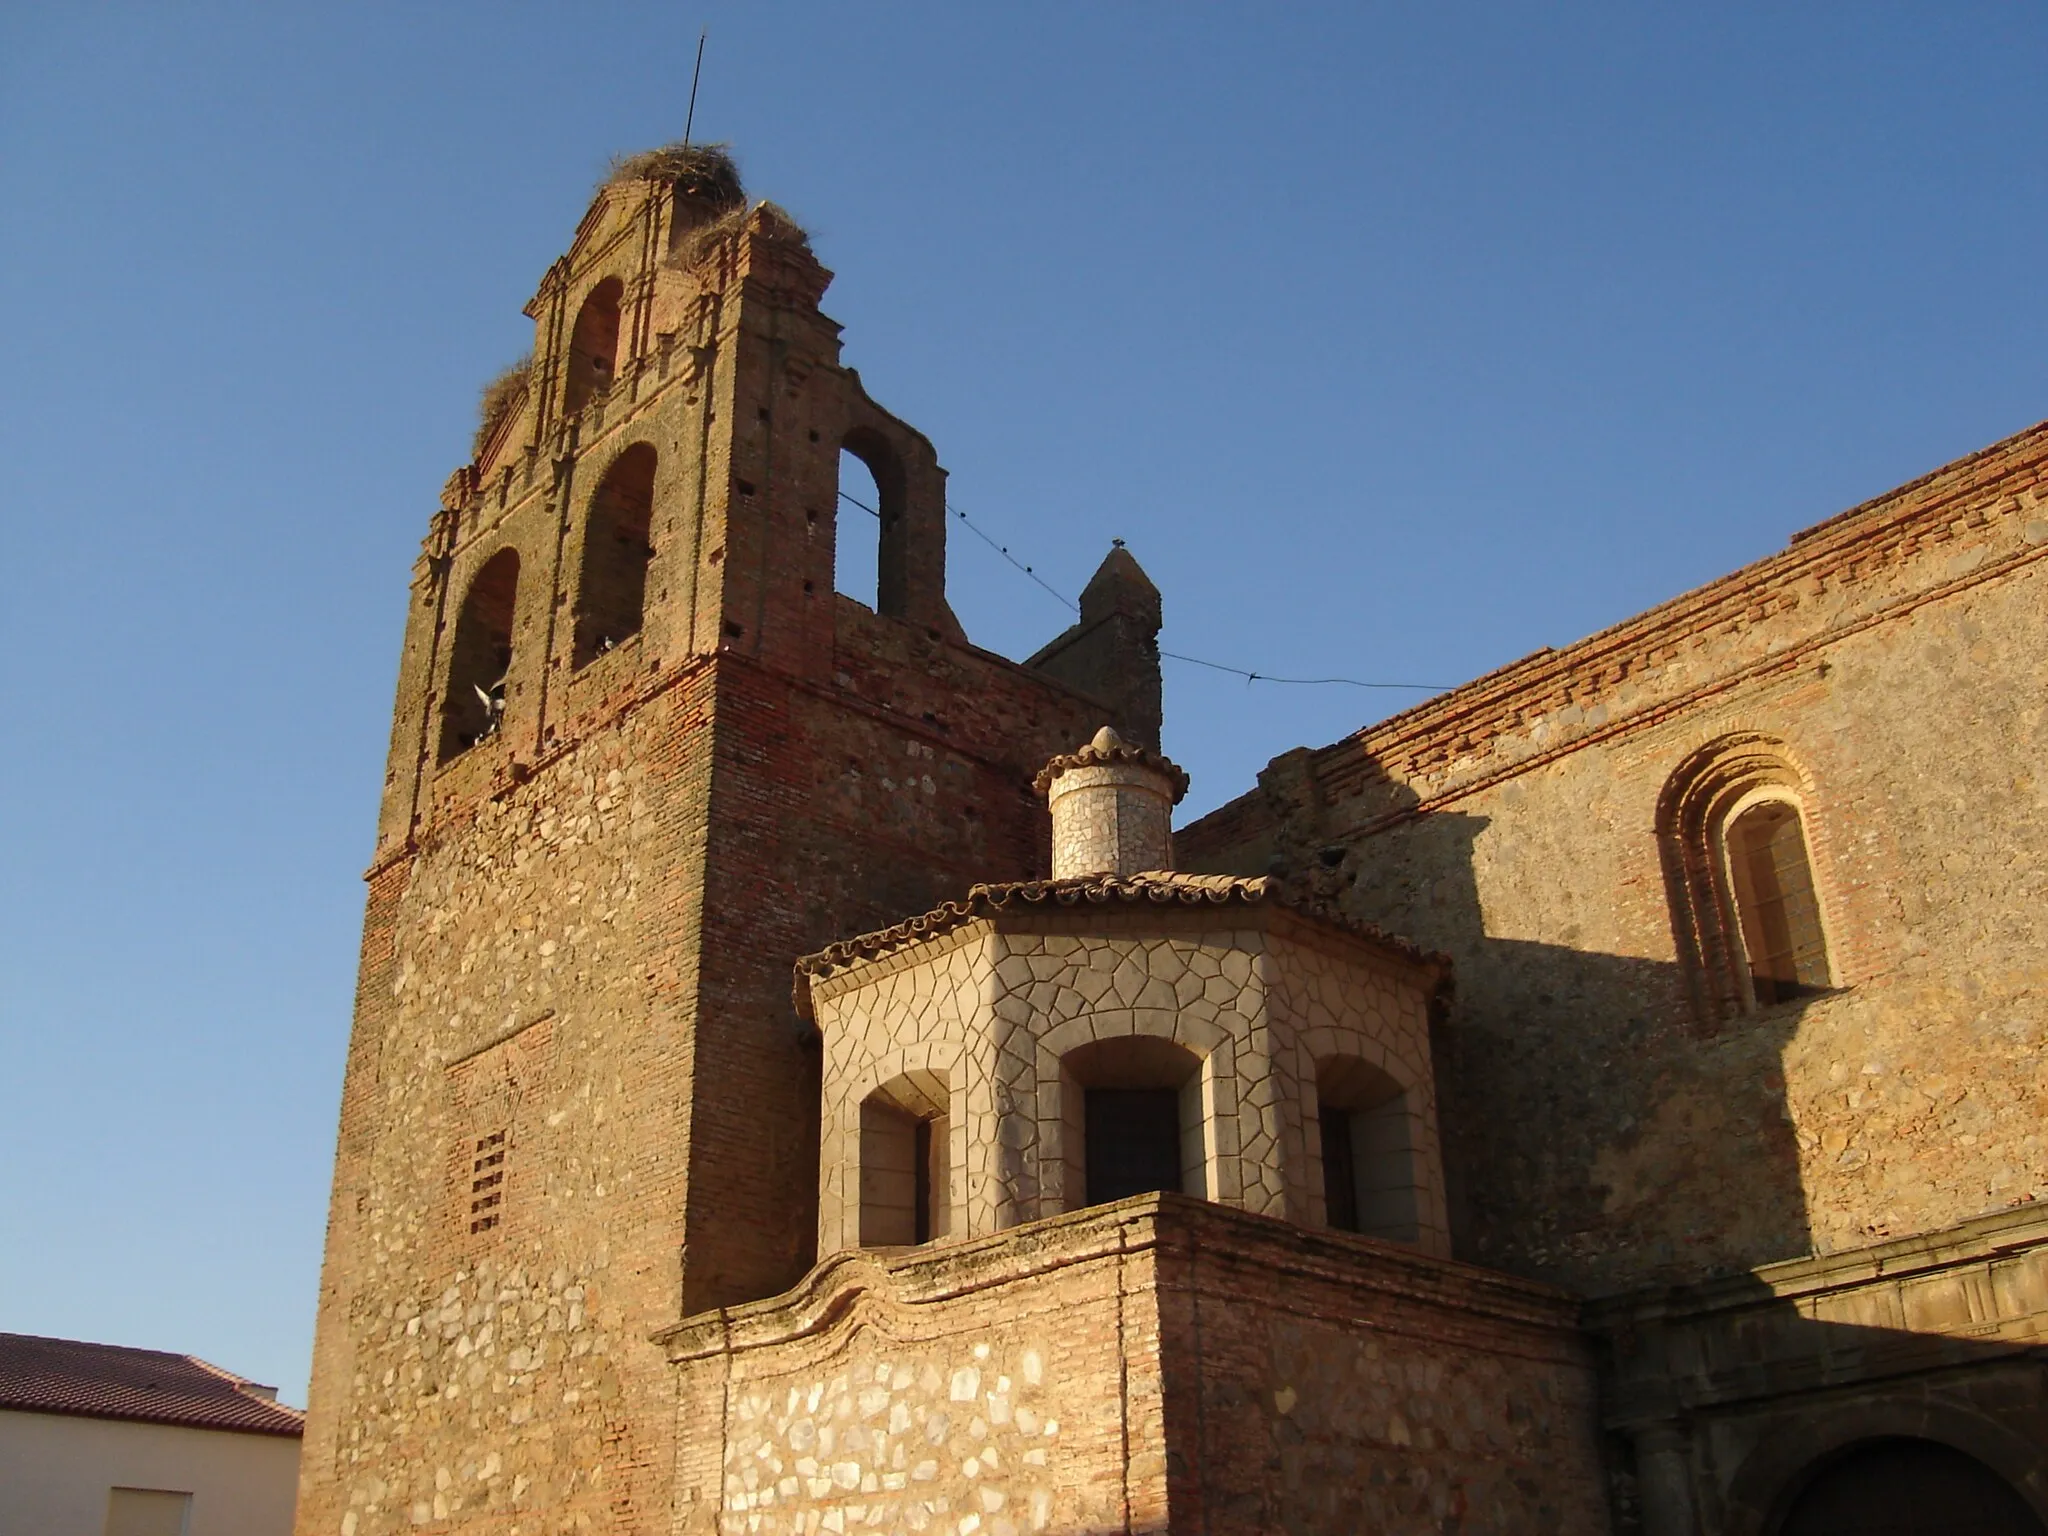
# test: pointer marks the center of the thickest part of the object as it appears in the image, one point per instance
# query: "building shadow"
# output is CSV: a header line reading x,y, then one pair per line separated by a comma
x,y
1605,1129
1598,1132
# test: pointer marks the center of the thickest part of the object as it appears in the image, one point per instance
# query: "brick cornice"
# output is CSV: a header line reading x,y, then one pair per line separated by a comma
x,y
1439,748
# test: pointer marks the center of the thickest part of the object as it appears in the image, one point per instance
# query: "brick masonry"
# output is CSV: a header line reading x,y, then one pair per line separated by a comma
x,y
1163,1363
1893,657
578,1276
580,927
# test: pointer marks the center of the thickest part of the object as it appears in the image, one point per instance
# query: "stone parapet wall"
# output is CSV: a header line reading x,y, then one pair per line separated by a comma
x,y
1158,1365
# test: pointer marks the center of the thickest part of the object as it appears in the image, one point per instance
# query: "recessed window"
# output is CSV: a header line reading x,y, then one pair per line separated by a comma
x,y
1134,1120
1778,915
594,345
1133,1142
1747,909
611,595
1366,1136
906,1162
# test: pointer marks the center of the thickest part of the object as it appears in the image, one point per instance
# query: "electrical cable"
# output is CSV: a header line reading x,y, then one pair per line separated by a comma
x,y
1249,677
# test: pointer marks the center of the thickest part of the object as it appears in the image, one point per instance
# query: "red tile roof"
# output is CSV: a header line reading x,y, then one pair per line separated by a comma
x,y
107,1381
1158,887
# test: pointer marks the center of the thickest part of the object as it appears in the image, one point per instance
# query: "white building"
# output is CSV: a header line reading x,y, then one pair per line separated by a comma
x,y
98,1440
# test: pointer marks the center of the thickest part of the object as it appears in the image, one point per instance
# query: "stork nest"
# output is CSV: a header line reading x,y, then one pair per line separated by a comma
x,y
500,398
703,172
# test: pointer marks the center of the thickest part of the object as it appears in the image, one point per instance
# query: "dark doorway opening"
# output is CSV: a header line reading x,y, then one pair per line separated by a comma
x,y
1905,1487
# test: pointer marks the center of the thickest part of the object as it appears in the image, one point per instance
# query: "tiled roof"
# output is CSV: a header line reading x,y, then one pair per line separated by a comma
x,y
1108,747
1156,887
107,1381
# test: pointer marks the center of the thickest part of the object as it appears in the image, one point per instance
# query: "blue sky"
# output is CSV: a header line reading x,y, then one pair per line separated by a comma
x,y
1397,340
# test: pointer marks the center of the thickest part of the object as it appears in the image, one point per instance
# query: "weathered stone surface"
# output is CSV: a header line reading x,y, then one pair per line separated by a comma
x,y
1305,996
1601,1129
580,926
1132,1367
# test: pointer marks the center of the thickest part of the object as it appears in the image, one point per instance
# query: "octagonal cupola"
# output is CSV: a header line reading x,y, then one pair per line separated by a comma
x,y
1044,1045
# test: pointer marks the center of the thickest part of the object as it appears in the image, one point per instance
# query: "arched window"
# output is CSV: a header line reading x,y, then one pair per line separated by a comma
x,y
611,593
1367,1138
869,563
1746,909
1777,915
905,1162
594,344
473,707
1133,1119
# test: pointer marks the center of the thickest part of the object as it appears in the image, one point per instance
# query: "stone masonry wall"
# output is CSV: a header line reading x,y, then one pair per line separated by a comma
x,y
580,932
483,1372
992,1007
1158,1365
1602,1131
1322,1383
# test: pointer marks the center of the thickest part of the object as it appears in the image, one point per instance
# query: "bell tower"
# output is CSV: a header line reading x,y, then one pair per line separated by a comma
x,y
643,757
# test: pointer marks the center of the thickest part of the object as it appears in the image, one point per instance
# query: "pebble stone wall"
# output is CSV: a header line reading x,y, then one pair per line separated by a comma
x,y
1259,993
1108,1371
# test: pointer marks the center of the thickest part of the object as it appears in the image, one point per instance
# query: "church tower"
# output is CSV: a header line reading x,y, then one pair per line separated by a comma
x,y
643,757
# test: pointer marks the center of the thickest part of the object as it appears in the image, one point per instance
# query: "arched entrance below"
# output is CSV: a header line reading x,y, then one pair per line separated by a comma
x,y
1905,1487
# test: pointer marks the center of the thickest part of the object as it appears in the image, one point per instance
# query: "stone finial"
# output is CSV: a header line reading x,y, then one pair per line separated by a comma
x,y
1112,808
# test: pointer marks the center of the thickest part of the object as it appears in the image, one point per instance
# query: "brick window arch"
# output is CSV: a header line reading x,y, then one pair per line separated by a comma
x,y
611,586
1746,906
888,525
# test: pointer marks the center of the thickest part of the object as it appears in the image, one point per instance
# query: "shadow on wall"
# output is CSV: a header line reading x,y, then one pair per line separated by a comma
x,y
1596,1133
1758,1406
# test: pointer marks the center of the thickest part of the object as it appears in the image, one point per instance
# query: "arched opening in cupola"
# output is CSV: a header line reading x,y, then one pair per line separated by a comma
x,y
906,1194
1367,1137
1133,1119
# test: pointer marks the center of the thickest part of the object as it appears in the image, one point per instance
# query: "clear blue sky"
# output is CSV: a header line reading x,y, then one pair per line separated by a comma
x,y
1398,341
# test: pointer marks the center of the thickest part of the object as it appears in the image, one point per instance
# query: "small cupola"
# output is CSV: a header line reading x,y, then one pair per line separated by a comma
x,y
1112,808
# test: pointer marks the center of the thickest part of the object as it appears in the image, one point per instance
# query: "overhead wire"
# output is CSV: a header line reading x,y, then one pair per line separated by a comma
x,y
1248,675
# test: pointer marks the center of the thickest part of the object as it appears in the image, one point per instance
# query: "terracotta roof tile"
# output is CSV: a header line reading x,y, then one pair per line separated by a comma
x,y
108,1381
1157,887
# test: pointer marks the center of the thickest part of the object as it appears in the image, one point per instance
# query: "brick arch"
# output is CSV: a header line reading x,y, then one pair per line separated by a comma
x,y
911,555
1761,1493
483,650
592,360
1696,803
